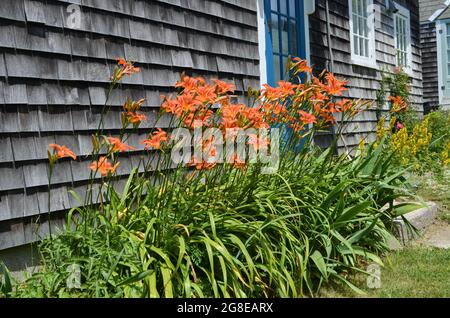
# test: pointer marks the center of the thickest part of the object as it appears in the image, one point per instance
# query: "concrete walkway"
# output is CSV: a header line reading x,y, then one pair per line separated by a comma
x,y
434,232
436,235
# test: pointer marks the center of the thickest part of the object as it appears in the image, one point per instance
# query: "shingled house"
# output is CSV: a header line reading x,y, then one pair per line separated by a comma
x,y
435,35
54,70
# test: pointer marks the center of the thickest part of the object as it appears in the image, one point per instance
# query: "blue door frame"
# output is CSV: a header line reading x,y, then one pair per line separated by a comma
x,y
273,8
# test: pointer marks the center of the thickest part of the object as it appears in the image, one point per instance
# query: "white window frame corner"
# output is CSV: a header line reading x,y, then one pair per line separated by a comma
x,y
404,12
262,42
371,61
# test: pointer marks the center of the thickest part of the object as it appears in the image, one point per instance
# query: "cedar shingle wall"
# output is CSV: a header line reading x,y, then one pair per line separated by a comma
x,y
53,80
363,82
429,7
429,64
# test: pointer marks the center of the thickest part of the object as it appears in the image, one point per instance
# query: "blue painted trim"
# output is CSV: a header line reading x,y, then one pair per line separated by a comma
x,y
301,37
269,50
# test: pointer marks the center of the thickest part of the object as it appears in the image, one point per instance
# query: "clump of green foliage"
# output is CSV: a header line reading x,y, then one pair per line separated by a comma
x,y
397,84
270,236
439,125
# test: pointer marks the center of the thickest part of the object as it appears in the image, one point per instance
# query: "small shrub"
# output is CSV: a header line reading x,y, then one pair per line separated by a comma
x,y
439,125
397,84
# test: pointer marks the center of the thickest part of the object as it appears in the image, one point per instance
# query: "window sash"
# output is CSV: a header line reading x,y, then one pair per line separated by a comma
x,y
360,28
284,23
403,47
362,33
401,23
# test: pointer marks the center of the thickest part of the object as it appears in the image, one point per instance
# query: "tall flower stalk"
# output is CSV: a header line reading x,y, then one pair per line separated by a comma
x,y
55,153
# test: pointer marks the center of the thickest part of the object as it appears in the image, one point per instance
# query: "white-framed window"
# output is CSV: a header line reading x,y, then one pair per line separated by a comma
x,y
362,32
402,36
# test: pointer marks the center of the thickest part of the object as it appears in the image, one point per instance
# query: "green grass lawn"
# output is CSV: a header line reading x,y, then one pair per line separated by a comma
x,y
411,272
415,271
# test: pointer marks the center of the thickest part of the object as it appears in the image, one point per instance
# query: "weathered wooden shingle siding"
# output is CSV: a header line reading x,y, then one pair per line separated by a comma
x,y
429,7
430,70
53,80
363,82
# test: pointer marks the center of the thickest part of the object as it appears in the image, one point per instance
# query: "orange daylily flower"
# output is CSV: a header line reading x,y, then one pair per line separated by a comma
x,y
156,139
132,106
62,151
200,165
117,145
103,166
334,86
278,109
286,88
136,118
230,115
328,118
169,105
185,104
301,66
199,119
255,117
206,95
190,83
307,118
274,112
125,68
398,103
224,88
271,93
298,126
344,105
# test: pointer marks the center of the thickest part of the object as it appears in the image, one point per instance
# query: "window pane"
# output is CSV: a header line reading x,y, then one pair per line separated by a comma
x,y
361,47
292,8
276,65
366,47
274,5
448,29
355,24
285,59
275,34
283,7
294,46
356,45
284,36
363,26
